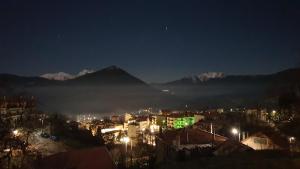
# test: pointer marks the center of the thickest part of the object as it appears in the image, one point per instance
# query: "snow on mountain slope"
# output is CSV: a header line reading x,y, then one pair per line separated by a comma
x,y
57,76
61,76
210,75
205,76
84,72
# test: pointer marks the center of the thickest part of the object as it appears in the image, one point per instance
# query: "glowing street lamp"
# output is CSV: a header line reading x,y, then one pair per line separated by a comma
x,y
235,132
126,141
15,132
292,140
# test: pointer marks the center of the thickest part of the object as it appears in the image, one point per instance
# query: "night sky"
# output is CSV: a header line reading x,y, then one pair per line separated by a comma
x,y
156,40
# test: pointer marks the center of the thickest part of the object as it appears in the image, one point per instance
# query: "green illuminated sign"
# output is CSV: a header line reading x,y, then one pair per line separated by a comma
x,y
183,122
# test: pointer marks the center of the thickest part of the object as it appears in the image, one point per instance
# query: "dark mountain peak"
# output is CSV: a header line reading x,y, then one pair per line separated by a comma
x,y
290,75
110,75
292,71
112,68
110,71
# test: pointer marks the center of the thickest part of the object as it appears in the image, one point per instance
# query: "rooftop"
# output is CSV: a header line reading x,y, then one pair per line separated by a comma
x,y
94,158
191,136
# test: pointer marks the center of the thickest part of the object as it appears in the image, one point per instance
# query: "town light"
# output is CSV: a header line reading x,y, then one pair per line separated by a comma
x,y
15,132
234,131
126,141
109,130
292,139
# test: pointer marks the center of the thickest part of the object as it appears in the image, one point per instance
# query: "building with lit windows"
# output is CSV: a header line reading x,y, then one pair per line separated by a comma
x,y
181,120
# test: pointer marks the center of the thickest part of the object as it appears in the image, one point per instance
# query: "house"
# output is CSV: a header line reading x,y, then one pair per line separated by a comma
x,y
231,147
259,114
115,119
143,122
94,158
189,138
266,141
127,117
189,141
133,130
181,120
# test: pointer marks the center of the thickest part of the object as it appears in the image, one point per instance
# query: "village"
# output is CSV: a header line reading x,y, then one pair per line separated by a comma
x,y
143,139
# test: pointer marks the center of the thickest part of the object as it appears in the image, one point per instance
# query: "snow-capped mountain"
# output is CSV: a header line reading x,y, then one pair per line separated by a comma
x,y
84,72
203,77
61,76
57,76
210,75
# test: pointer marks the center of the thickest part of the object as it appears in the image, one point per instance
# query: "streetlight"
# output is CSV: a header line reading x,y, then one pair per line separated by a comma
x,y
126,141
16,132
292,140
235,132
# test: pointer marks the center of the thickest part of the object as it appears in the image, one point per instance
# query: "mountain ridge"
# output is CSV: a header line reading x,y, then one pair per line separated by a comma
x,y
109,89
114,89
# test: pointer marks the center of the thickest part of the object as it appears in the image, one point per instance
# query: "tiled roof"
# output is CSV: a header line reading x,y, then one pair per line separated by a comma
x,y
230,147
191,136
94,158
275,137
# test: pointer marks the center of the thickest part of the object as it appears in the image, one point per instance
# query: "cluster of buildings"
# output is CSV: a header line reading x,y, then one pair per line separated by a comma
x,y
16,105
138,128
185,133
173,134
13,108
